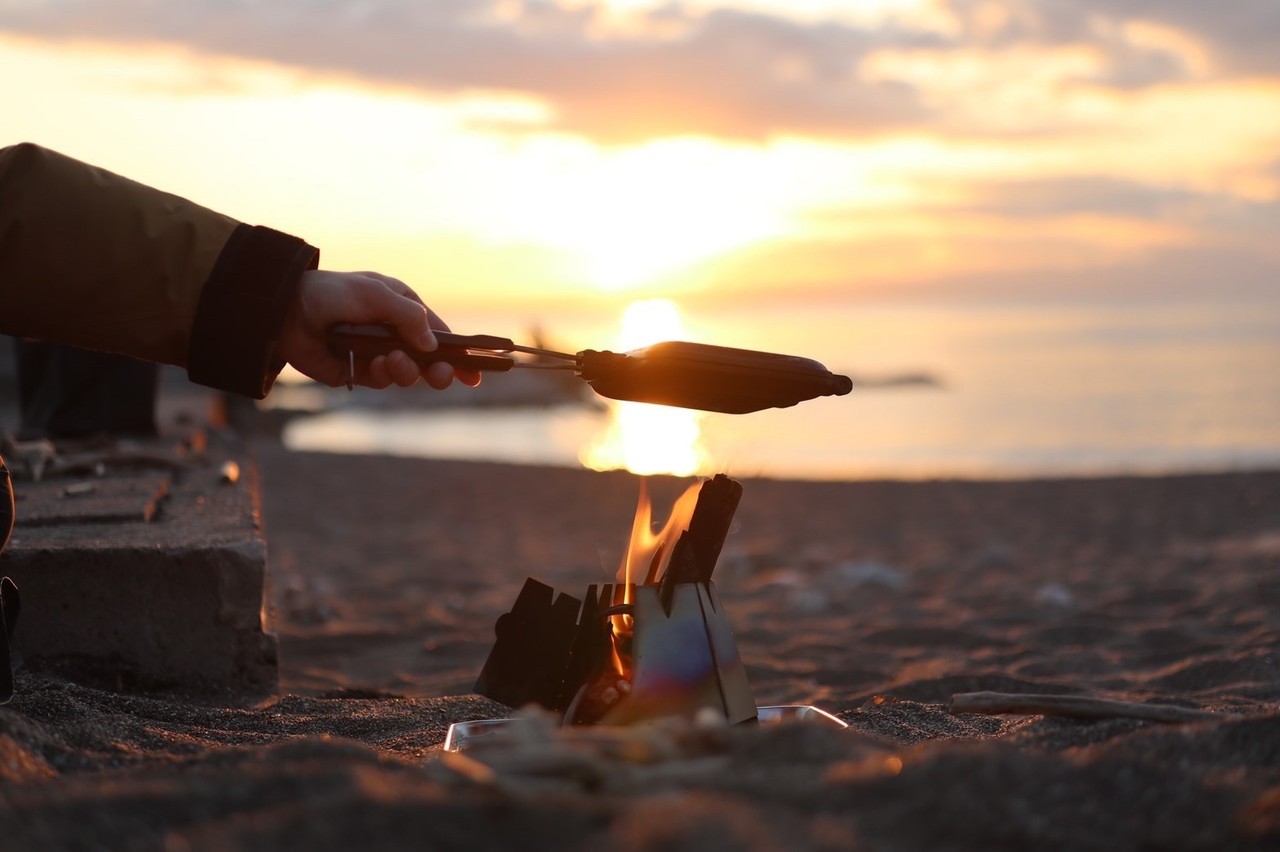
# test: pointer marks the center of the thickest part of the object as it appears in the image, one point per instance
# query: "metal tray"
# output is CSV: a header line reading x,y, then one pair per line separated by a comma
x,y
463,735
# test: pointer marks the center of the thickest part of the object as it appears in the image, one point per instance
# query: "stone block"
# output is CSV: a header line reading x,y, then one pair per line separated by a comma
x,y
154,577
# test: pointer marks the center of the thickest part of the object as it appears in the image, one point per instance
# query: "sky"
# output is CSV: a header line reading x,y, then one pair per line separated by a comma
x,y
541,153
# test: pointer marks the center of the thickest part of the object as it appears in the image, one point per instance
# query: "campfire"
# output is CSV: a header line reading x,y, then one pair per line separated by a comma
x,y
654,644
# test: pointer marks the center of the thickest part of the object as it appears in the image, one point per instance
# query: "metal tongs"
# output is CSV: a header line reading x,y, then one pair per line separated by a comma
x,y
685,375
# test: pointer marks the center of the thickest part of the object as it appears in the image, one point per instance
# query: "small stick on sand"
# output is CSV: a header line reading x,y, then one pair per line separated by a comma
x,y
1075,707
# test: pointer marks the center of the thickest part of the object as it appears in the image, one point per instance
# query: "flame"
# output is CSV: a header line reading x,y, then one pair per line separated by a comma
x,y
648,549
646,559
643,542
644,562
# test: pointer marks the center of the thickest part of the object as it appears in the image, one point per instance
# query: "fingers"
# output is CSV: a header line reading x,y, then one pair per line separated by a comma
x,y
397,368
411,318
375,374
418,320
402,369
414,322
396,286
371,297
470,378
439,375
326,298
435,322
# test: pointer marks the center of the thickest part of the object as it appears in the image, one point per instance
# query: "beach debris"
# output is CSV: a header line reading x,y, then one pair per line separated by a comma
x,y
40,459
655,644
1055,595
30,457
1075,707
229,473
857,573
808,600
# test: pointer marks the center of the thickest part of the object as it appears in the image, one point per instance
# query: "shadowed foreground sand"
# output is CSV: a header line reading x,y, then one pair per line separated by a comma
x,y
876,601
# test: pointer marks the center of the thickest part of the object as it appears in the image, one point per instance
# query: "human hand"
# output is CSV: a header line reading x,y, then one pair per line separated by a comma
x,y
325,298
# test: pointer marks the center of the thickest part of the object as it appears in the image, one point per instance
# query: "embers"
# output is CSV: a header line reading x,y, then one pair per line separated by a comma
x,y
628,651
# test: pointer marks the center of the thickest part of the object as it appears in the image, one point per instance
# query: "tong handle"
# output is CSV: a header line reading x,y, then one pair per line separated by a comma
x,y
347,340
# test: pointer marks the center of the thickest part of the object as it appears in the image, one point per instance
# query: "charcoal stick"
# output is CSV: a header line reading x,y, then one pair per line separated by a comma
x,y
694,557
712,517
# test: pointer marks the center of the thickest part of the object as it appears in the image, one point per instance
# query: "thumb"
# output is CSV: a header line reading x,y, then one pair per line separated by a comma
x,y
410,319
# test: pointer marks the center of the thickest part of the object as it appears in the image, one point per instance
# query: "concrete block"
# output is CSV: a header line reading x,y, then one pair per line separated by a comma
x,y
93,500
152,577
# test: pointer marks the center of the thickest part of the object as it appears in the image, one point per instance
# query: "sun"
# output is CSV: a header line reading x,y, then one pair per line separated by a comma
x,y
648,439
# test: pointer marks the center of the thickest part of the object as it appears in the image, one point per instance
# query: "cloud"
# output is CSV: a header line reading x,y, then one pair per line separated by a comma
x,y
992,267
1242,36
1084,235
725,73
1084,194
1208,273
1069,208
676,70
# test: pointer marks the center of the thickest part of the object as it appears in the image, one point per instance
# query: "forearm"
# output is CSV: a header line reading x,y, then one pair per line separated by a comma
x,y
92,259
242,307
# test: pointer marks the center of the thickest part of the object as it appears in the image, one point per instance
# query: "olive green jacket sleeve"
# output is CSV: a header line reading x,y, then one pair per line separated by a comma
x,y
92,259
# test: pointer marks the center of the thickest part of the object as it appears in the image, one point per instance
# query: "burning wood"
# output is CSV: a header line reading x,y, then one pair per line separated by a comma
x,y
631,651
698,549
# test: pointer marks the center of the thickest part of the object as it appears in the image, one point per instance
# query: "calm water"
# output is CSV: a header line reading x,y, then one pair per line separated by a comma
x,y
1072,390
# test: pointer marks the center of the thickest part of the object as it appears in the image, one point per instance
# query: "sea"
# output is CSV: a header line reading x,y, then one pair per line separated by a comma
x,y
964,389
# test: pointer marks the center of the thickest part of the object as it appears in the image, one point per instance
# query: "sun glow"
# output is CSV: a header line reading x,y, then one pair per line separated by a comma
x,y
485,198
648,439
631,216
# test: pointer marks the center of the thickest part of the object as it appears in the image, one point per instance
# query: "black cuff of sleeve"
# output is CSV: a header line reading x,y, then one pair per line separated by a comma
x,y
242,307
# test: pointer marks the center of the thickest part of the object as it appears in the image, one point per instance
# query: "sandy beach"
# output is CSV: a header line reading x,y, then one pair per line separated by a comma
x,y
876,601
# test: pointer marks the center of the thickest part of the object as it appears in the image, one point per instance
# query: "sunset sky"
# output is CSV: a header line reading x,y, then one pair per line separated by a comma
x,y
542,153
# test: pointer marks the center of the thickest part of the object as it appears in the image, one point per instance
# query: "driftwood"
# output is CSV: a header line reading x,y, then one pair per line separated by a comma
x,y
1075,707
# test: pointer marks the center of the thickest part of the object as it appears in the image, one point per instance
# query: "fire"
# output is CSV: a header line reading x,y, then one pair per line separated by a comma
x,y
647,548
656,643
647,552
651,645
643,563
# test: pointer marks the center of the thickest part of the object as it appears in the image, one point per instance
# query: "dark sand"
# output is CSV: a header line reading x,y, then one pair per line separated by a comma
x,y
876,601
